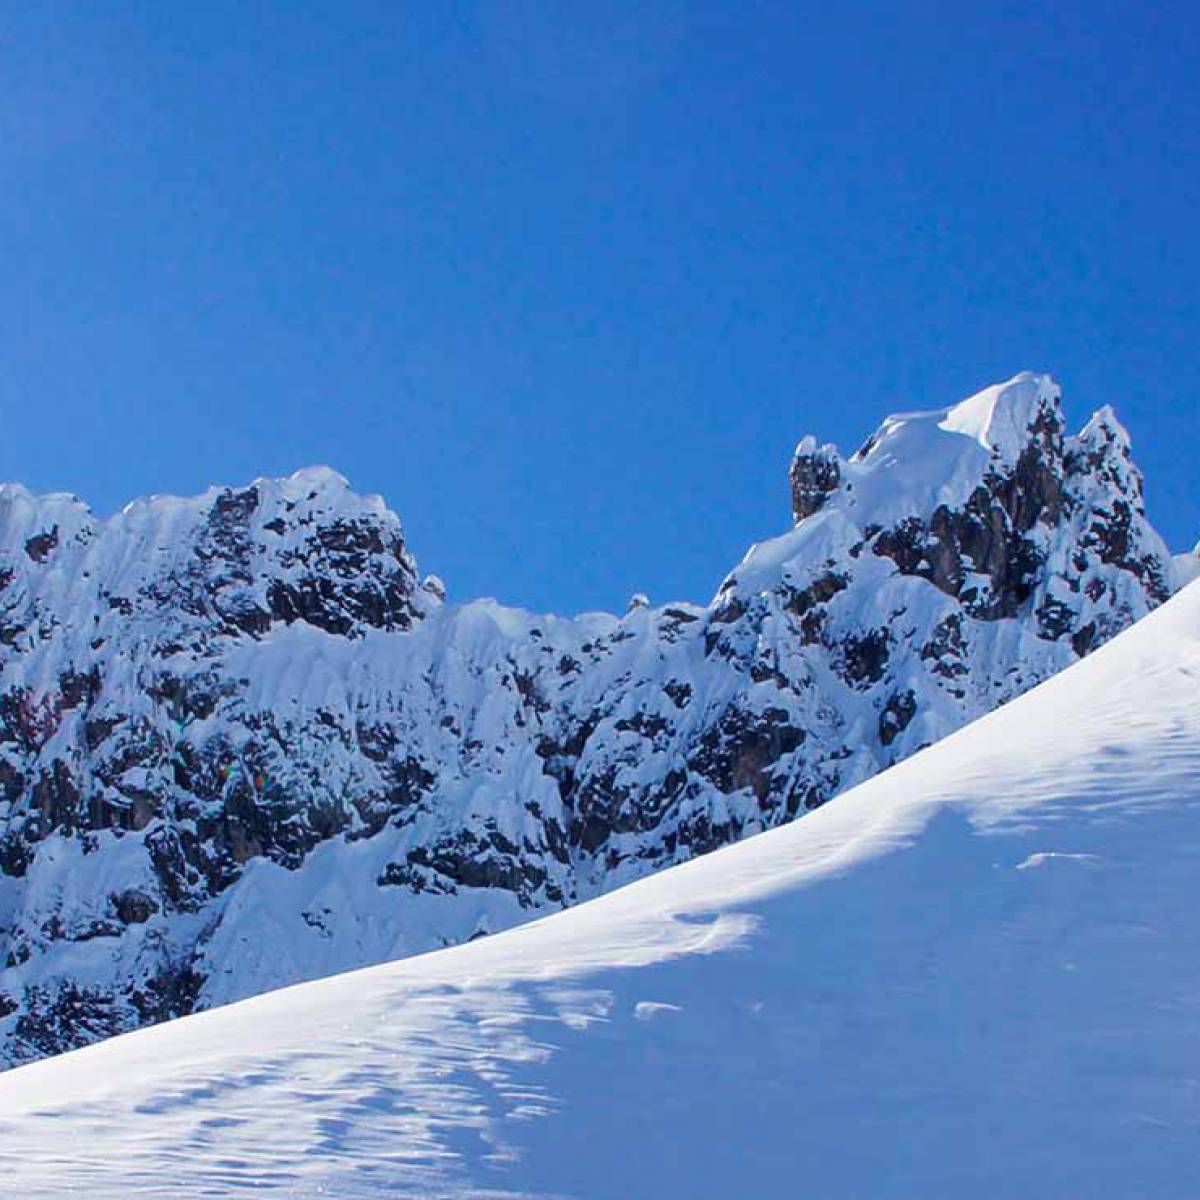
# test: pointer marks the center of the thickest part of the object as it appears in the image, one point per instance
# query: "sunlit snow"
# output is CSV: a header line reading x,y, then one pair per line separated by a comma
x,y
977,974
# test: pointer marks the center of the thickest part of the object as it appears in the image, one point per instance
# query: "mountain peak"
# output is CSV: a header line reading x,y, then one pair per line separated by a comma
x,y
1001,417
319,476
979,498
918,461
233,560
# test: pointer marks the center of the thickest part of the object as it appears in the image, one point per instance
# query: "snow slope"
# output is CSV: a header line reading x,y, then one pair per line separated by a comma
x,y
976,974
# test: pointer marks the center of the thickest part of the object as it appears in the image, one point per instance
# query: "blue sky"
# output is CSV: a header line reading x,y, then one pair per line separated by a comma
x,y
566,281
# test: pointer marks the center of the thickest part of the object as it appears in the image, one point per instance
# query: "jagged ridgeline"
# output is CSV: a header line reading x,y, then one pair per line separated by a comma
x,y
243,744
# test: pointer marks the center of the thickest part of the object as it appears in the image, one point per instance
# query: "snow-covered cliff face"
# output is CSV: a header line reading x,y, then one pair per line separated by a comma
x,y
241,744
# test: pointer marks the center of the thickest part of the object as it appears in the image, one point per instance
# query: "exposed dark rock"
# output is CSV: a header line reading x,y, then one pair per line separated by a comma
x,y
740,748
865,657
897,713
133,906
820,591
815,473
39,546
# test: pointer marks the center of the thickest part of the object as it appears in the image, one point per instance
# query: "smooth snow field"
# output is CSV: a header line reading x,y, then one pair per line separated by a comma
x,y
977,975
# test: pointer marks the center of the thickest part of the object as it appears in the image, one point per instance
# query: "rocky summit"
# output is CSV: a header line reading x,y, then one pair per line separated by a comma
x,y
243,744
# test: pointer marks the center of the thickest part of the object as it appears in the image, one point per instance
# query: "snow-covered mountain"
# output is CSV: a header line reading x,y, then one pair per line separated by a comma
x,y
243,744
977,974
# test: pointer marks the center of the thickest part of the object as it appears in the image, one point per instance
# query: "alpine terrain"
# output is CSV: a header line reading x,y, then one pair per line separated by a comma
x,y
244,744
976,974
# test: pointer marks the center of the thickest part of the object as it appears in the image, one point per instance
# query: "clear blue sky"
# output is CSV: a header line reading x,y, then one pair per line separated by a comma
x,y
566,281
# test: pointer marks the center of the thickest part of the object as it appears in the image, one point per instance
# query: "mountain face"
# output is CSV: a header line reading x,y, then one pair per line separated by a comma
x,y
243,744
976,974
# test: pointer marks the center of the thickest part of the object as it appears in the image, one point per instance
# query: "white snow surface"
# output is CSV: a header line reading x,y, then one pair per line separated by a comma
x,y
1187,567
977,974
918,460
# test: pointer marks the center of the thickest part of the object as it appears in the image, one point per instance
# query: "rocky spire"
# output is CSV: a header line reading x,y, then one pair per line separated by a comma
x,y
815,473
